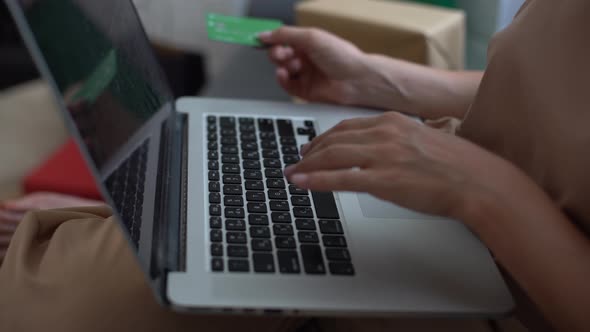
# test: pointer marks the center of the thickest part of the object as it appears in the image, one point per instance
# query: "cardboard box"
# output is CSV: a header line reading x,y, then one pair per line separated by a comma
x,y
420,33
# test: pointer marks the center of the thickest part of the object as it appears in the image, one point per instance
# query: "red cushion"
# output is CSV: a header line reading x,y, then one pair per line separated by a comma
x,y
64,172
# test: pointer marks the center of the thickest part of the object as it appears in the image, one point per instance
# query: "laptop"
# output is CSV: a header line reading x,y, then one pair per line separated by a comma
x,y
198,188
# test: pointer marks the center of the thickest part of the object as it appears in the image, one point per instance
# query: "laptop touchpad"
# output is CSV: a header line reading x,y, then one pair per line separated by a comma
x,y
376,208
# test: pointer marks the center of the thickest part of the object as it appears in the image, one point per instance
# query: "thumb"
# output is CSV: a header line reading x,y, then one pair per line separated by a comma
x,y
298,38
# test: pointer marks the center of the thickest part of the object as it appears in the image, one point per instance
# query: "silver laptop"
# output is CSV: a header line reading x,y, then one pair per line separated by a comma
x,y
198,188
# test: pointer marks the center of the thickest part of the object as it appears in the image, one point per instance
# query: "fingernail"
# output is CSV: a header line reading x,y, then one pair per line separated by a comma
x,y
300,180
265,36
305,148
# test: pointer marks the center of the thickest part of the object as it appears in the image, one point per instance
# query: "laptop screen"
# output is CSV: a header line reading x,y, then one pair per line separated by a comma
x,y
103,66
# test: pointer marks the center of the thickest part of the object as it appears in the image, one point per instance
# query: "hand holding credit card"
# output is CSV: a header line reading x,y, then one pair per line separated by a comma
x,y
238,30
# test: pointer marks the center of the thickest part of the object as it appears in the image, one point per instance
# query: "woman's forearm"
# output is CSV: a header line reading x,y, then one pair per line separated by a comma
x,y
418,90
545,253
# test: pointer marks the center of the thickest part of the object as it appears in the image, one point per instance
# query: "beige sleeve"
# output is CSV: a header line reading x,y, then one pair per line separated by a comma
x,y
72,270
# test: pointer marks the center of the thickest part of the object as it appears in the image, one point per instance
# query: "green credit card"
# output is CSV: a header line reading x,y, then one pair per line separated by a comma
x,y
238,30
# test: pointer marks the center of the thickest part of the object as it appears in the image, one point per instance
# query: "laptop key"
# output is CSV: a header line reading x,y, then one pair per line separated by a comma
x,y
275,183
232,189
270,154
254,185
234,212
257,208
263,263
228,132
290,150
325,205
229,140
214,187
300,201
215,222
216,235
258,219
250,155
232,179
269,145
213,165
261,245
230,159
248,121
305,224
272,163
255,196
302,212
308,237
237,251
282,229
285,242
211,119
215,210
279,205
260,232
289,159
211,128
251,164
213,176
288,141
214,198
235,225
247,128
212,136
216,249
297,191
252,175
337,254
235,237
233,200
341,268
217,264
313,261
231,169
267,136
285,128
334,241
212,155
227,122
281,217
229,149
249,146
331,226
248,137
279,194
288,261
266,125
212,145
273,173
238,265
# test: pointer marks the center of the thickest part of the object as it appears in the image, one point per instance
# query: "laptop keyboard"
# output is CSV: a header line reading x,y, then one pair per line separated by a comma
x,y
126,186
258,222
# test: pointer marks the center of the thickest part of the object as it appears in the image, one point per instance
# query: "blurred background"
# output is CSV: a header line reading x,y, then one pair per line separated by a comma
x,y
444,33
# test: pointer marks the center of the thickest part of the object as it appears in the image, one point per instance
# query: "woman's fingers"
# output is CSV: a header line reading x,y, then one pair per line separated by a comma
x,y
340,156
336,180
346,125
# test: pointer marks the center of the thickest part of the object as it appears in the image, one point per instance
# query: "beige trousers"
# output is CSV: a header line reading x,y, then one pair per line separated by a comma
x,y
71,270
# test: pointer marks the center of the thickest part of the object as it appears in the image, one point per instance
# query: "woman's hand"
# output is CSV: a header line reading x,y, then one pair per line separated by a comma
x,y
402,161
315,65
13,211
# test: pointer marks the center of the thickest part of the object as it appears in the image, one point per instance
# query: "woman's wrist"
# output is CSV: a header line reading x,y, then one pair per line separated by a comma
x,y
374,87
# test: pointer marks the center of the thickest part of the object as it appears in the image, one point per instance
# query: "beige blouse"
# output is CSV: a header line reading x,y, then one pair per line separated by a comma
x,y
533,105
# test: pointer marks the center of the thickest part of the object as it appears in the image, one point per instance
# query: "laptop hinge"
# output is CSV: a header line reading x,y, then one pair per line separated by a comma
x,y
170,204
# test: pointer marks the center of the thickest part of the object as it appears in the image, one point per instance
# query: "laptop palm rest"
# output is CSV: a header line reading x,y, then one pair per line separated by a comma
x,y
374,208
